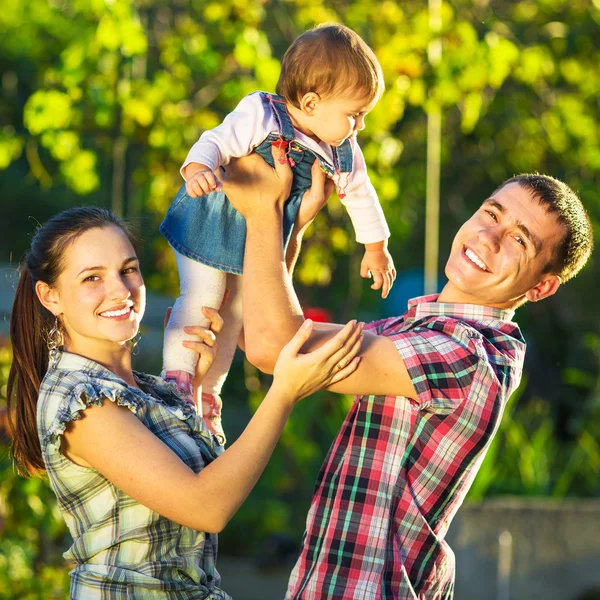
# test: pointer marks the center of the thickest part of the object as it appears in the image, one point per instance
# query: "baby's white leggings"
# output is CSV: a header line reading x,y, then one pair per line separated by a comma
x,y
200,286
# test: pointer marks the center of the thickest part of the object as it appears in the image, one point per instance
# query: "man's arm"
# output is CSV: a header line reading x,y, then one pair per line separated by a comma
x,y
312,203
271,310
293,250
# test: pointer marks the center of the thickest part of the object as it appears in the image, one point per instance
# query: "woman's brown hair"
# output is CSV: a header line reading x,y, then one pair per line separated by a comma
x,y
30,324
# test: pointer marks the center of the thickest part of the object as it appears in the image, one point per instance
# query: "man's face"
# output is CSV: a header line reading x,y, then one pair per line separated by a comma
x,y
499,255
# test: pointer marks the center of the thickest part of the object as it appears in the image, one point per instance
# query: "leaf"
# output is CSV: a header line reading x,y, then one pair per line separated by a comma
x,y
47,109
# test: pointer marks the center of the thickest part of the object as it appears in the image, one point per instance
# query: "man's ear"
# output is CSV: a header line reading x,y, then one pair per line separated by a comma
x,y
546,287
48,297
309,103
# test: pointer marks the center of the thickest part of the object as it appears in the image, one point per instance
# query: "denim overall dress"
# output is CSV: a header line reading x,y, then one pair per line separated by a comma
x,y
209,230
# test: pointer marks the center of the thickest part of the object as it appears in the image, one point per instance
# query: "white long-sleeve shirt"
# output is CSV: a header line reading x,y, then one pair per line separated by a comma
x,y
249,125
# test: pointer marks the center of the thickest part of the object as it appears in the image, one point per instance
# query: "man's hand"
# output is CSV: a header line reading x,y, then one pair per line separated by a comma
x,y
378,263
315,198
254,187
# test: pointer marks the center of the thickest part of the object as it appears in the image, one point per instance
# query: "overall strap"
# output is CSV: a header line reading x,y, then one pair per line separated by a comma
x,y
342,157
277,105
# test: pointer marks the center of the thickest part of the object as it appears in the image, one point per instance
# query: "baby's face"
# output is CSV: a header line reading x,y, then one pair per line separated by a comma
x,y
337,118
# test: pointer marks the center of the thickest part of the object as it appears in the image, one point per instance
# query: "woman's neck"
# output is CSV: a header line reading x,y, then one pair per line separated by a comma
x,y
114,357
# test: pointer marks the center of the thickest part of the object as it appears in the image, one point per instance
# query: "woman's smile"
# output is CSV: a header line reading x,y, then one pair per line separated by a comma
x,y
118,314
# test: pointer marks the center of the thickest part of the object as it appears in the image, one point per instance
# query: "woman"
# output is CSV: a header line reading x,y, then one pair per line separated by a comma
x,y
137,475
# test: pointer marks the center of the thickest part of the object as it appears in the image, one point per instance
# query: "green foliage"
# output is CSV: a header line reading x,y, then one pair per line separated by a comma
x,y
527,458
32,531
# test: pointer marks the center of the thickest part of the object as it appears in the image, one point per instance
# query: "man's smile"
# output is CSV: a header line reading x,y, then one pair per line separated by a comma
x,y
474,259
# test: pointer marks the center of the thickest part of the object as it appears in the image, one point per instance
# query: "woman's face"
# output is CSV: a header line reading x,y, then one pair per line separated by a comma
x,y
100,295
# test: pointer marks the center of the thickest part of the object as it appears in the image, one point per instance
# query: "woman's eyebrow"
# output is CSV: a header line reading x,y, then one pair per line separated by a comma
x,y
98,268
103,268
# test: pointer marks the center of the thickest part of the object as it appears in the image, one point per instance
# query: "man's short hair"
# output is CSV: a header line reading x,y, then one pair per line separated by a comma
x,y
329,59
573,251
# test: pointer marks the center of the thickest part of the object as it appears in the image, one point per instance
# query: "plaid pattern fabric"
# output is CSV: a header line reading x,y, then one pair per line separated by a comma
x,y
121,549
399,469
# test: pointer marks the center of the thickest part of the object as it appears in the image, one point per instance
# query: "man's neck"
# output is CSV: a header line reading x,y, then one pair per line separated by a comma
x,y
451,294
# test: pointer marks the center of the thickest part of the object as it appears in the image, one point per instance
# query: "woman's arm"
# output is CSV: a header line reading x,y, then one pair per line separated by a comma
x,y
112,440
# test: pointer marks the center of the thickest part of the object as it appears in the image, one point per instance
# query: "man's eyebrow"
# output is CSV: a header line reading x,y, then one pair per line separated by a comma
x,y
102,268
495,204
535,242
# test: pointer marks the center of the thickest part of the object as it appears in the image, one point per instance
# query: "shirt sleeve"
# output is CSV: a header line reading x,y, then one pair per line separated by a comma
x,y
361,201
445,362
240,132
71,397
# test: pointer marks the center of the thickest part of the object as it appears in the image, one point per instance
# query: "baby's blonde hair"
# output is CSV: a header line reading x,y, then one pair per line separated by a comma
x,y
329,59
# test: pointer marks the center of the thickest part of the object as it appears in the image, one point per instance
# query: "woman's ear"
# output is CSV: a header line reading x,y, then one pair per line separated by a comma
x,y
48,297
309,103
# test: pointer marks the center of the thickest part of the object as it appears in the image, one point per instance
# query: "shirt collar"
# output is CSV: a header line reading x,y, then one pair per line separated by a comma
x,y
425,306
75,362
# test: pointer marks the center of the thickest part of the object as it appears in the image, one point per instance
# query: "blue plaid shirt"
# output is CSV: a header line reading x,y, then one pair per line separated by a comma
x,y
121,549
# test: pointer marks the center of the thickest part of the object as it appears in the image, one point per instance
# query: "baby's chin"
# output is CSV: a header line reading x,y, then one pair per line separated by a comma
x,y
338,143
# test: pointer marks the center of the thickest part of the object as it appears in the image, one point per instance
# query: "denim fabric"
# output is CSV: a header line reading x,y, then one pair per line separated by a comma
x,y
208,229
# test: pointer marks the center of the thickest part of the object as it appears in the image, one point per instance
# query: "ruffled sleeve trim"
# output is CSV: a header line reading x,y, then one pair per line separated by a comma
x,y
80,397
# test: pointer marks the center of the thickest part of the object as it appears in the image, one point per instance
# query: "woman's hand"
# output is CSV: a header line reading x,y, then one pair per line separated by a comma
x,y
298,375
206,346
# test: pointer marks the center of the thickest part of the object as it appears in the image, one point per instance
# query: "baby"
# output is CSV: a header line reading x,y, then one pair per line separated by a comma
x,y
330,80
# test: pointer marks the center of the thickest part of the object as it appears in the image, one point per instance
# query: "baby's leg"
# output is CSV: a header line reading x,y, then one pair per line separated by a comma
x,y
227,343
228,338
199,286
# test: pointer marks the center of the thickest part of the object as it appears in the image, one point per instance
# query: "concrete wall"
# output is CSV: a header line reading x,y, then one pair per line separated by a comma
x,y
554,554
8,283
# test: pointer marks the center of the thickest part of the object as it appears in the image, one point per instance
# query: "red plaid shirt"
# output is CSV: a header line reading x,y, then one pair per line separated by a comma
x,y
399,469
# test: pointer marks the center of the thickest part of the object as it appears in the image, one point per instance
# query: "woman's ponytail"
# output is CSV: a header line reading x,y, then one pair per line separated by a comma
x,y
29,322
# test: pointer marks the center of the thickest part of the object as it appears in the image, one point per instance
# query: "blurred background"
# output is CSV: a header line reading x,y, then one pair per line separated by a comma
x,y
100,102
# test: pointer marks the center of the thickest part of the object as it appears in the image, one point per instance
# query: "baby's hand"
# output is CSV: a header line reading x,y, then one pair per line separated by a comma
x,y
378,263
202,181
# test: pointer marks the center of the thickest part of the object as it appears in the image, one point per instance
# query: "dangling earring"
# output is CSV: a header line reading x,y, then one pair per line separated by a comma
x,y
134,344
55,341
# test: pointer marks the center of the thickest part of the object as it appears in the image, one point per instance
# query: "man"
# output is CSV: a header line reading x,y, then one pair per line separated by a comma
x,y
431,386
